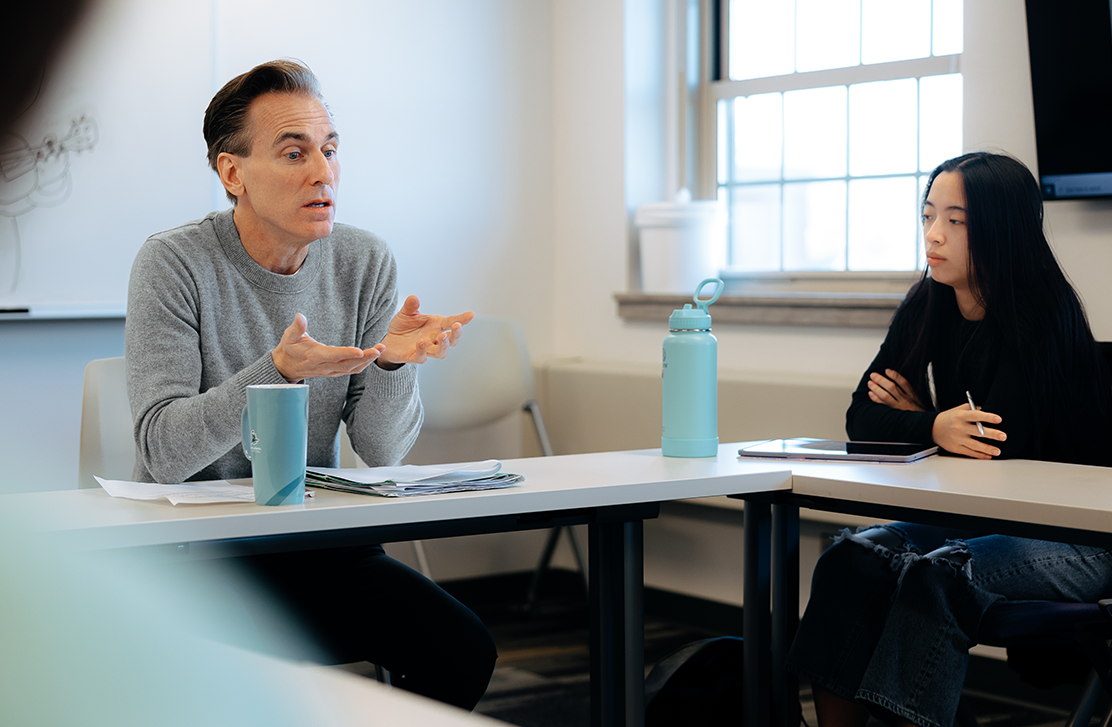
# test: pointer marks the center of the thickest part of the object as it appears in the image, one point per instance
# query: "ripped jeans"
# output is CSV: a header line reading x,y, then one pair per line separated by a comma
x,y
891,616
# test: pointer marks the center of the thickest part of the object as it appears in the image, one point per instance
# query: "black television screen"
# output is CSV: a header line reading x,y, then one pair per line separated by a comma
x,y
1071,83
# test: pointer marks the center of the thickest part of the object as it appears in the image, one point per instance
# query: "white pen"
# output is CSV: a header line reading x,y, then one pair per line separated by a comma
x,y
969,398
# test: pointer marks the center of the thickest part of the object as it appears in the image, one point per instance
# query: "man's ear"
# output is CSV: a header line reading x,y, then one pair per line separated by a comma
x,y
228,167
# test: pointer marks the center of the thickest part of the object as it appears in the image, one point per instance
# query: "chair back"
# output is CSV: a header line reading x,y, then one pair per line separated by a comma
x,y
107,439
1033,623
484,378
1106,353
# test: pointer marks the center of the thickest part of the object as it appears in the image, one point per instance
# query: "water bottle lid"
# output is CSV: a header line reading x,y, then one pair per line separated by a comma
x,y
695,319
689,319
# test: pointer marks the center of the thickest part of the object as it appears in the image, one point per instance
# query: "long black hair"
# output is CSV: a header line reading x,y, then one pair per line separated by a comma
x,y
1031,311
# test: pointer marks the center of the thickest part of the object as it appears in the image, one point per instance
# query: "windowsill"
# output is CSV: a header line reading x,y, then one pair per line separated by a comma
x,y
853,310
853,300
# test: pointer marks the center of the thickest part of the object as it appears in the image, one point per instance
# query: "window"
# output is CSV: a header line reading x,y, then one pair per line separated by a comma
x,y
830,117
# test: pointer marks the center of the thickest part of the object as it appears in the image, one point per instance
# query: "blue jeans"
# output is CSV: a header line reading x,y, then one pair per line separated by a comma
x,y
891,616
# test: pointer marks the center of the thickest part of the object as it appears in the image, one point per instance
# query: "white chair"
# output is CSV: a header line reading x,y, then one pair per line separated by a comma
x,y
486,378
107,439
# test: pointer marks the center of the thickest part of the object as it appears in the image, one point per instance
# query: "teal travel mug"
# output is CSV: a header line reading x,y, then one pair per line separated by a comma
x,y
276,440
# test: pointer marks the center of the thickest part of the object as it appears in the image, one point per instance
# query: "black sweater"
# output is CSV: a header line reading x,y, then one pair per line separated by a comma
x,y
961,361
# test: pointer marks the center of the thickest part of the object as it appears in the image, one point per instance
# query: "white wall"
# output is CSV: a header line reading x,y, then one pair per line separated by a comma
x,y
591,225
445,114
42,371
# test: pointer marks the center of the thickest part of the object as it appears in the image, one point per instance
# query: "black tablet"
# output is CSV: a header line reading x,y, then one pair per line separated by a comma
x,y
840,451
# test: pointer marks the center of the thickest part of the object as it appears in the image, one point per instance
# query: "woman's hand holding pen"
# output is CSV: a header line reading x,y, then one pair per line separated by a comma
x,y
893,390
955,430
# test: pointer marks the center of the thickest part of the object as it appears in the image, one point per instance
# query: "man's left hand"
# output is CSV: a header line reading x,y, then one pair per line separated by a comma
x,y
414,337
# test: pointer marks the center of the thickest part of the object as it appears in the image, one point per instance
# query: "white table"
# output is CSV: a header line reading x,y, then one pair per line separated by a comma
x,y
1055,499
1045,500
612,492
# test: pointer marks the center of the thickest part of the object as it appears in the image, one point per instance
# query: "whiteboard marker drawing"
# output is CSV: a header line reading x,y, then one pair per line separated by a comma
x,y
33,177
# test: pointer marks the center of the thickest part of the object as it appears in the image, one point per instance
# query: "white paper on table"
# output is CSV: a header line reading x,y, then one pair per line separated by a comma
x,y
415,473
188,492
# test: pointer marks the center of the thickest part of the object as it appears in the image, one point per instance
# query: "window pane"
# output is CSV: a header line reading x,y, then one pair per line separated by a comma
x,y
939,119
883,224
828,34
883,120
762,38
755,227
815,226
723,130
815,133
895,30
758,121
949,29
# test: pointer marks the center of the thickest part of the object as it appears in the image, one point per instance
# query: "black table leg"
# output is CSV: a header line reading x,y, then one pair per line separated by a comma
x,y
785,612
616,564
757,618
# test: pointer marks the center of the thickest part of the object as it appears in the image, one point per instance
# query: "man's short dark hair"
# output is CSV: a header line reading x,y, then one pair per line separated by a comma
x,y
226,116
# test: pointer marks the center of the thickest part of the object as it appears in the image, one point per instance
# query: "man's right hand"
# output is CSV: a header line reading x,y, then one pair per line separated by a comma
x,y
298,356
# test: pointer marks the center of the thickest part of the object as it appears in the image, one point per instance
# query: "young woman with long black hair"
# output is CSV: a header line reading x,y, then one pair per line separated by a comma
x,y
895,608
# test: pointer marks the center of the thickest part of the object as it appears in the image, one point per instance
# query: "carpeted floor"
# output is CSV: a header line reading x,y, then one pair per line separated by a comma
x,y
542,677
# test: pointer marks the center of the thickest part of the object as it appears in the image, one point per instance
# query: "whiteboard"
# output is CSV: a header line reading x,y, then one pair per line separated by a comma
x,y
109,152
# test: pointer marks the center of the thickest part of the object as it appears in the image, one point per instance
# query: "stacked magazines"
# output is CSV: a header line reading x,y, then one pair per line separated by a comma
x,y
408,480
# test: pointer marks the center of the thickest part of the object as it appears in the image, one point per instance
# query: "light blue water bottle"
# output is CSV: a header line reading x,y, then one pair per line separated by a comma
x,y
690,381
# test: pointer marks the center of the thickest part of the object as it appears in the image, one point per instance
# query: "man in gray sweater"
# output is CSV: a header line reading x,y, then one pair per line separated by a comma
x,y
227,301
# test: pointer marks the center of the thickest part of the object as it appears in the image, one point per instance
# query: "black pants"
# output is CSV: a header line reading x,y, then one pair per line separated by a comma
x,y
344,605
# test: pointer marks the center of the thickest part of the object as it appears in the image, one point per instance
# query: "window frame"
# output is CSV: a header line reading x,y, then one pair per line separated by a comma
x,y
842,299
716,86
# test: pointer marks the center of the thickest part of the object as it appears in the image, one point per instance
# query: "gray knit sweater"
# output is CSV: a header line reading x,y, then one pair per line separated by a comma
x,y
202,318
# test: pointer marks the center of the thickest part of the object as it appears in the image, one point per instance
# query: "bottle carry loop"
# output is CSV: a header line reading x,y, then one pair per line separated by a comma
x,y
703,303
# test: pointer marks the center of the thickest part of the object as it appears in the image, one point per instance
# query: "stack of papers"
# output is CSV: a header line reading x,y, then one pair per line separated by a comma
x,y
408,480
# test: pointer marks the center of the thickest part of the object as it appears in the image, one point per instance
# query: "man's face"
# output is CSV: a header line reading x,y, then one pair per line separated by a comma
x,y
290,178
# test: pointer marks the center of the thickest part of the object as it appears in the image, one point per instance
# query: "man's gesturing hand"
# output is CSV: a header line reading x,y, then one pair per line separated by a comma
x,y
298,356
413,337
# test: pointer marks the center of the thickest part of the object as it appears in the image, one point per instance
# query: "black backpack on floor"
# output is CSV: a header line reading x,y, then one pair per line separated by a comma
x,y
697,684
